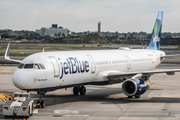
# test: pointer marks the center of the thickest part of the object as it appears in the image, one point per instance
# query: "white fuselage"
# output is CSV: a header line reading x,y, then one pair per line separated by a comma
x,y
70,68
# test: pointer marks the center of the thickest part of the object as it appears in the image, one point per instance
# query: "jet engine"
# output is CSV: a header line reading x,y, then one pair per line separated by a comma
x,y
134,87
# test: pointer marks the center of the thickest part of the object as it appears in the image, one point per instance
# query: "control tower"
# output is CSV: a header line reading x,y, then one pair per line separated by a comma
x,y
99,27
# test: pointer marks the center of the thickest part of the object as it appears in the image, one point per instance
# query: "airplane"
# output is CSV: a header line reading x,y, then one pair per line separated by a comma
x,y
49,71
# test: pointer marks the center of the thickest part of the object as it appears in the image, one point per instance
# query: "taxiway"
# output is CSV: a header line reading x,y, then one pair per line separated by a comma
x,y
160,102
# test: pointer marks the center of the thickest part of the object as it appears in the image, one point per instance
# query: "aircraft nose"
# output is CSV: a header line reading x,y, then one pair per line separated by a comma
x,y
20,79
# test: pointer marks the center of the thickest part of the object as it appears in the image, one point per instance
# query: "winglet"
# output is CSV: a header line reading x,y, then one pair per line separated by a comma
x,y
156,33
43,49
6,56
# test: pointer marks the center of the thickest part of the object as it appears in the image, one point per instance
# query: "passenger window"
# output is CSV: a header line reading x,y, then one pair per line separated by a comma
x,y
28,66
36,66
20,65
42,66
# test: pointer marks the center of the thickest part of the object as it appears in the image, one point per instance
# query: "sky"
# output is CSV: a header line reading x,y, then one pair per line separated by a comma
x,y
83,15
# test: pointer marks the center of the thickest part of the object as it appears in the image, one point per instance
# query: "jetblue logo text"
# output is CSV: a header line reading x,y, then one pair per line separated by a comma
x,y
73,66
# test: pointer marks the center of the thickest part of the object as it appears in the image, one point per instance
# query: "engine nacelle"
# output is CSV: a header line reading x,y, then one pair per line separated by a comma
x,y
134,87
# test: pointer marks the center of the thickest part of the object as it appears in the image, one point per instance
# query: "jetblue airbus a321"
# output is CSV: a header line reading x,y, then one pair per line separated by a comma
x,y
48,71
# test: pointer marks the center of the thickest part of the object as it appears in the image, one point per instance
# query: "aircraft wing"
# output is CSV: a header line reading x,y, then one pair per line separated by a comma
x,y
6,56
175,56
120,75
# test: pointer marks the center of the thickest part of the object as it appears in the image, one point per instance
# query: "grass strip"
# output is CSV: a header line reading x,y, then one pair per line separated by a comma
x,y
51,45
45,45
29,49
14,54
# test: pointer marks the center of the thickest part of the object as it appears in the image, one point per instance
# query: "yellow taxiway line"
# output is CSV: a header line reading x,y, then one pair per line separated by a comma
x,y
162,84
2,96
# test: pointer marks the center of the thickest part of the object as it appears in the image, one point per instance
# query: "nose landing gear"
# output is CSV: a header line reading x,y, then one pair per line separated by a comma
x,y
41,102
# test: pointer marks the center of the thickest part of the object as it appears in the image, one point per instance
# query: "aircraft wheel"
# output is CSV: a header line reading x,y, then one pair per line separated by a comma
x,y
76,90
82,90
42,104
28,112
130,96
137,96
32,109
38,106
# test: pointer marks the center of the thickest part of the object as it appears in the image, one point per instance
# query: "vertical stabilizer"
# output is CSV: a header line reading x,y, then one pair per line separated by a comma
x,y
156,33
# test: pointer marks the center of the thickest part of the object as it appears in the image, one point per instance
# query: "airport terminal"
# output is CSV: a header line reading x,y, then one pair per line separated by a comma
x,y
53,30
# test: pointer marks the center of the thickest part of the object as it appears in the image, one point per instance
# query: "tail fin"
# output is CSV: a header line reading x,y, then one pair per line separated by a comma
x,y
156,33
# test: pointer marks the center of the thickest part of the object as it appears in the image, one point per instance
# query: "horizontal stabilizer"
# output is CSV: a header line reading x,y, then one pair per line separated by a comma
x,y
176,56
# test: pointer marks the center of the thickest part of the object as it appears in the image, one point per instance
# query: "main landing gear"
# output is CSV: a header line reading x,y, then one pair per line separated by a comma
x,y
41,102
79,89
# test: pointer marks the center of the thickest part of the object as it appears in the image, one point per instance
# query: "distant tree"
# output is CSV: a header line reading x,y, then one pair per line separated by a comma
x,y
116,36
125,36
132,35
116,33
6,36
148,36
142,33
28,38
59,34
55,34
68,35
35,37
168,36
85,33
107,33
63,35
20,37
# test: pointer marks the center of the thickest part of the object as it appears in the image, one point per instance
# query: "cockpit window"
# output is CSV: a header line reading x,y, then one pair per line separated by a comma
x,y
36,66
28,66
42,66
20,65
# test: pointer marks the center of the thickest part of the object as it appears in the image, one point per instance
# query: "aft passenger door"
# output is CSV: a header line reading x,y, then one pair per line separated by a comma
x,y
128,62
55,66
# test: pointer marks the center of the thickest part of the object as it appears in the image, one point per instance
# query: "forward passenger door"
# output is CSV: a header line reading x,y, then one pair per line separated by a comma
x,y
93,65
55,66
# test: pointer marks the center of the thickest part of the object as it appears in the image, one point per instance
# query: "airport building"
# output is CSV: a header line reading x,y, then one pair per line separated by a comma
x,y
52,31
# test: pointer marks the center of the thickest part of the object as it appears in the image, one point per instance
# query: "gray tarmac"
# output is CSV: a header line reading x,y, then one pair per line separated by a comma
x,y
160,102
